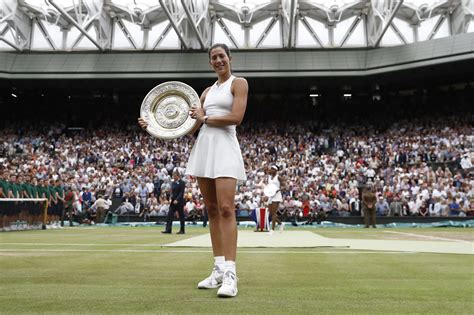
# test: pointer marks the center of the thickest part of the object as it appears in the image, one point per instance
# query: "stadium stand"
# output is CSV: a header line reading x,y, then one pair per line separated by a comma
x,y
414,157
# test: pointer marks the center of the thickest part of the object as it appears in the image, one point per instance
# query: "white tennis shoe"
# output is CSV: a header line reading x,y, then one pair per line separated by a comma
x,y
213,281
282,226
229,285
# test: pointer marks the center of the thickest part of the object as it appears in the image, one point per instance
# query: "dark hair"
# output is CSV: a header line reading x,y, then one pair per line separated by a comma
x,y
217,45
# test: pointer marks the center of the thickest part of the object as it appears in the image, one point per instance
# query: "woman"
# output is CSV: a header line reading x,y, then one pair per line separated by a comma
x,y
275,200
216,161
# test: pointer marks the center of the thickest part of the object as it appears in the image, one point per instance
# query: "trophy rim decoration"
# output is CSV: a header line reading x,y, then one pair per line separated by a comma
x,y
166,110
270,190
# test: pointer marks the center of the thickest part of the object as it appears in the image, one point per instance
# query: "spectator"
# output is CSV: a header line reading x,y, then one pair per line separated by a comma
x,y
152,205
125,207
396,207
315,169
454,208
435,209
466,163
381,207
99,207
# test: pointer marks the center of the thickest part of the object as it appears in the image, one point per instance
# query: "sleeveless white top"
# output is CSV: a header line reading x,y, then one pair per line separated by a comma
x,y
274,181
216,152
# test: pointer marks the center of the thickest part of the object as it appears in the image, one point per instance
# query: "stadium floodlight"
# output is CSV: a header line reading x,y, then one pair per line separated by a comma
x,y
313,91
14,92
376,96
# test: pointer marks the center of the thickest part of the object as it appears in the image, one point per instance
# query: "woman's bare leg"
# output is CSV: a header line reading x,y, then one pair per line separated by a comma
x,y
225,192
208,191
273,207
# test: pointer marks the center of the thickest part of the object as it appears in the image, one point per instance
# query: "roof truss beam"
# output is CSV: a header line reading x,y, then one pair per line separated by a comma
x,y
126,32
461,16
162,36
387,23
87,27
10,43
437,26
45,33
5,30
195,20
398,33
174,24
193,24
351,29
102,22
267,30
19,24
291,24
310,29
227,32
75,23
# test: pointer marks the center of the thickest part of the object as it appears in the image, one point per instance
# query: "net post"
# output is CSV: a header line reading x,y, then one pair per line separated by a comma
x,y
45,214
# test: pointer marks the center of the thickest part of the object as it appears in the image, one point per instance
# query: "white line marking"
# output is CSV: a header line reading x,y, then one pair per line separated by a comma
x,y
81,244
198,251
80,234
430,237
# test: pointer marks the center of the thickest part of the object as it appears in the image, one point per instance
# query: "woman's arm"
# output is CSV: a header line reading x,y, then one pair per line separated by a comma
x,y
202,99
240,91
282,183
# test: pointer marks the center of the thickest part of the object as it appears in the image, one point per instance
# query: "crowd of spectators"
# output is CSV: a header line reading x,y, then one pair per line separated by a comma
x,y
419,167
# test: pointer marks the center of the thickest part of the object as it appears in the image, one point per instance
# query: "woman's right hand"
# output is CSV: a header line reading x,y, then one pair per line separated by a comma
x,y
143,124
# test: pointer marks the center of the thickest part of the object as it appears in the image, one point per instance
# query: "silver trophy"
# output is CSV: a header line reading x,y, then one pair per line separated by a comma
x,y
166,110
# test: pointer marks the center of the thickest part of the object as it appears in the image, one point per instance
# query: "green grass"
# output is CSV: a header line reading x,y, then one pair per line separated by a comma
x,y
125,270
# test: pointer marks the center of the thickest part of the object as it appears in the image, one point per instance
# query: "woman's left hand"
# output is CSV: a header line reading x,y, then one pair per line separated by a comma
x,y
197,113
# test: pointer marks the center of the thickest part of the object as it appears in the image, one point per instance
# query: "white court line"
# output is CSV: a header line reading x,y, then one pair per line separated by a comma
x,y
81,244
430,237
79,234
198,251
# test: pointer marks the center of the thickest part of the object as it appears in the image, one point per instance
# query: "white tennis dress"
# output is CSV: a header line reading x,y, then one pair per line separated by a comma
x,y
277,197
216,152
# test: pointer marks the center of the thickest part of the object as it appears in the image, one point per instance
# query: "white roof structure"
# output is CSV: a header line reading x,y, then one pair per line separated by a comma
x,y
137,25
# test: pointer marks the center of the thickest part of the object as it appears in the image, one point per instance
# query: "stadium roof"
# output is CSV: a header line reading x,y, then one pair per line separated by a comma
x,y
137,25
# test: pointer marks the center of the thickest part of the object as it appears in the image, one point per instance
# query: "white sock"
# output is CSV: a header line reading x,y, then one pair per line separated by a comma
x,y
219,261
230,265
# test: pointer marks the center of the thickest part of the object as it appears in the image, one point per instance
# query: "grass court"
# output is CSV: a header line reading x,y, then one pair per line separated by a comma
x,y
126,270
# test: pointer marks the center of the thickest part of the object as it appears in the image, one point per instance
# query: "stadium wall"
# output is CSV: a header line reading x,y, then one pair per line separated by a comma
x,y
344,220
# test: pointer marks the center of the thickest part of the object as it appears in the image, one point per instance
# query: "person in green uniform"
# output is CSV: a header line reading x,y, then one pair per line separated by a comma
x,y
4,186
5,192
43,192
59,190
15,190
36,209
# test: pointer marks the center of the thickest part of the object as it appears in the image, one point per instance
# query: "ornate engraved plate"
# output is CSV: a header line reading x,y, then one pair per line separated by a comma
x,y
166,110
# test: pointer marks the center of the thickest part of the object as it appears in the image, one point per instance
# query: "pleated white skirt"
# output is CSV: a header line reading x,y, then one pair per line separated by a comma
x,y
216,153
